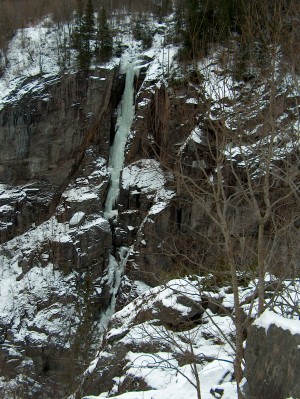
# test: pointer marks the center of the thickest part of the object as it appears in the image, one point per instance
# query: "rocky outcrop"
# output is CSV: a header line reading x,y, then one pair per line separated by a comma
x,y
54,148
180,126
56,273
152,327
44,137
273,358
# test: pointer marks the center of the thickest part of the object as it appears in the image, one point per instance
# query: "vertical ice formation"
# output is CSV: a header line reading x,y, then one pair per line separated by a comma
x,y
116,156
117,263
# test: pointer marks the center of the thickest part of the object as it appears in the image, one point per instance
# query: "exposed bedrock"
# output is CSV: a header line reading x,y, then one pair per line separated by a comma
x,y
44,136
270,373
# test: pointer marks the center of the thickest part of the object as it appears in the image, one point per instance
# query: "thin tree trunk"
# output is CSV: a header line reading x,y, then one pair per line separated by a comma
x,y
239,337
261,268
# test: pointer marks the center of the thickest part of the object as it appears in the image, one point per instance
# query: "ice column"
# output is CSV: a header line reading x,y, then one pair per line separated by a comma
x,y
116,157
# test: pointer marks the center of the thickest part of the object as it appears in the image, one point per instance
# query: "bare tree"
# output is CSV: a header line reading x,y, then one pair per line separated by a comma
x,y
238,166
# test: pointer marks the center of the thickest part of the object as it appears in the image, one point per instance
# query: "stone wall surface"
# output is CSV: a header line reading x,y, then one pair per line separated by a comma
x,y
44,136
272,358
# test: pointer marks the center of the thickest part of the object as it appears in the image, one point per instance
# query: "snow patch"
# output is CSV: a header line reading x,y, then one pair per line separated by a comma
x,y
269,318
76,219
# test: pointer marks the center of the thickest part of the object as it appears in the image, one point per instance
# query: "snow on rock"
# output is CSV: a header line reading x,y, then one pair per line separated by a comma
x,y
272,356
269,318
31,53
145,174
192,100
151,336
43,293
157,354
76,219
218,85
195,136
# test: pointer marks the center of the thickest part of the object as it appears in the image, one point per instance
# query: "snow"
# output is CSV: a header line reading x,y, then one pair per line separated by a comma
x,y
141,287
192,101
76,219
164,59
211,340
79,194
269,318
195,136
217,85
92,366
22,296
145,175
40,304
33,54
161,370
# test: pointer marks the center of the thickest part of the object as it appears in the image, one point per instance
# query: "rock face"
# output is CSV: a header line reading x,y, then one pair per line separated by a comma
x,y
273,359
54,148
179,126
153,327
44,137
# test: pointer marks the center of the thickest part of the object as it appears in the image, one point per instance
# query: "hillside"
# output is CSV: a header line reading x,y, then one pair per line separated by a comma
x,y
149,201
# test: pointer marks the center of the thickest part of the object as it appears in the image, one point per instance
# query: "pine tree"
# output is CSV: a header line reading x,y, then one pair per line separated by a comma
x,y
83,33
104,47
202,22
77,31
162,8
88,27
180,16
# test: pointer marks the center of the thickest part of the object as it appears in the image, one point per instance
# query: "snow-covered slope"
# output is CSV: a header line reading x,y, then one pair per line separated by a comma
x,y
167,332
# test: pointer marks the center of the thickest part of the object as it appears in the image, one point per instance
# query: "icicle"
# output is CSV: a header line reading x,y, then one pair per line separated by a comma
x,y
115,268
116,157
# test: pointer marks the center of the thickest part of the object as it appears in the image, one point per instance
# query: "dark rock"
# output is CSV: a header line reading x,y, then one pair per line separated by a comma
x,y
43,143
272,362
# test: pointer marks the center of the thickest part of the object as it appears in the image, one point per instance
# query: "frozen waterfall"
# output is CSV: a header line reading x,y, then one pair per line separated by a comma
x,y
118,261
116,156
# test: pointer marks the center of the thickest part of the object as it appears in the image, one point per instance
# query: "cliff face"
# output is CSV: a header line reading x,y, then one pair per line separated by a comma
x,y
44,137
54,150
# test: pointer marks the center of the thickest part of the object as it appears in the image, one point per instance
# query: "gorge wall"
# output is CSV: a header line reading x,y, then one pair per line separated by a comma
x,y
57,246
55,143
45,134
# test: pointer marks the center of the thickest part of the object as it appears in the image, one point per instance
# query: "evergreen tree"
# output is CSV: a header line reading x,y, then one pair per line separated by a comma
x,y
83,33
202,22
88,27
193,27
162,8
104,46
180,16
141,30
77,31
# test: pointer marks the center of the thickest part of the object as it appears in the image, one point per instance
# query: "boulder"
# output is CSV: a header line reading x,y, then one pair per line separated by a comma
x,y
272,358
